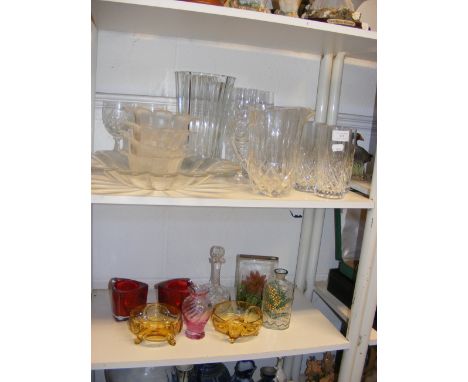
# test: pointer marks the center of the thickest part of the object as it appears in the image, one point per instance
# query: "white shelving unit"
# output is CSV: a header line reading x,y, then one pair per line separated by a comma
x,y
310,331
339,308
113,346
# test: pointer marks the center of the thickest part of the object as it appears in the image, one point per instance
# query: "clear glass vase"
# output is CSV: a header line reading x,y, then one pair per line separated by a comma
x,y
274,135
196,311
277,301
217,293
205,97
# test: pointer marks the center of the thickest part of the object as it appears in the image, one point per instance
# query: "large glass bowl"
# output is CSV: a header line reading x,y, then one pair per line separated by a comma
x,y
155,323
237,319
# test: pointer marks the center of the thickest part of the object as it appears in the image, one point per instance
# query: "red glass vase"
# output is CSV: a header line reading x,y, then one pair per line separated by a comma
x,y
173,292
126,295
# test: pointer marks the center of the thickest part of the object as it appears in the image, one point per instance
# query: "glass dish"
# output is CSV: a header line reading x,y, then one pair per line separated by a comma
x,y
237,319
150,182
171,142
155,323
165,165
156,118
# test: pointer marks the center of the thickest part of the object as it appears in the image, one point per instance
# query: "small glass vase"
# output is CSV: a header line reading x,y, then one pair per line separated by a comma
x,y
217,293
277,301
196,311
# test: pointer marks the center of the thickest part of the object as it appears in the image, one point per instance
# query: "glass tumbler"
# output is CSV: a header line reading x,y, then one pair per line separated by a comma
x,y
274,137
335,151
205,97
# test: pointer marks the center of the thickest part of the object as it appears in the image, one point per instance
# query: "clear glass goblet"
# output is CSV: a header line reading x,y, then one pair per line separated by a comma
x,y
115,115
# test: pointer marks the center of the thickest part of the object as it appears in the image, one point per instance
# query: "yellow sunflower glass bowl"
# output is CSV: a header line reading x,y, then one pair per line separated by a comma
x,y
155,323
237,319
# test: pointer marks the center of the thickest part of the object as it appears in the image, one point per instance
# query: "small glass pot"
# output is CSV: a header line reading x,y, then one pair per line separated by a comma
x,y
277,301
126,295
196,311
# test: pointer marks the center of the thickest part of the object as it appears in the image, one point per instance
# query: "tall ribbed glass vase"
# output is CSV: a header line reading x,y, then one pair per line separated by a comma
x,y
205,97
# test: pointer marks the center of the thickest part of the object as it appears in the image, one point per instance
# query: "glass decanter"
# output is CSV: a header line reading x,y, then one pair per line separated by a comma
x,y
217,293
196,311
277,301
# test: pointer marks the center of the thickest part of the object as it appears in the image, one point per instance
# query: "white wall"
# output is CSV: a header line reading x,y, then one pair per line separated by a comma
x,y
154,243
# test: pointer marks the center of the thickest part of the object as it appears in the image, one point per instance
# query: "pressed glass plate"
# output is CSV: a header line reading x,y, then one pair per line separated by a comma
x,y
113,166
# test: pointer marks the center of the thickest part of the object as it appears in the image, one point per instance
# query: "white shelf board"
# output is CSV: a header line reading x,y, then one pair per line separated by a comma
x,y
216,192
338,307
113,346
233,26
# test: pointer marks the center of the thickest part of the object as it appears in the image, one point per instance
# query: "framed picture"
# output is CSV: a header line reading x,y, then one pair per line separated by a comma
x,y
251,274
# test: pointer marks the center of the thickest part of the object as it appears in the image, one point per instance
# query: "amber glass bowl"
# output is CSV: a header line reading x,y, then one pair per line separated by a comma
x,y
237,319
155,322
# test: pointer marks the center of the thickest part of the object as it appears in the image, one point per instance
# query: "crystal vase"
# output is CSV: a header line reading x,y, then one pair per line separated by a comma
x,y
277,301
217,293
196,311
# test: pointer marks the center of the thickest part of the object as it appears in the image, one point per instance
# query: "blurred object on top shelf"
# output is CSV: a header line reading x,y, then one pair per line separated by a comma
x,y
288,8
368,11
339,12
250,5
209,2
361,157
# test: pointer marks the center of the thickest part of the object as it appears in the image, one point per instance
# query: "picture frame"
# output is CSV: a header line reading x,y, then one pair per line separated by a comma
x,y
252,271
